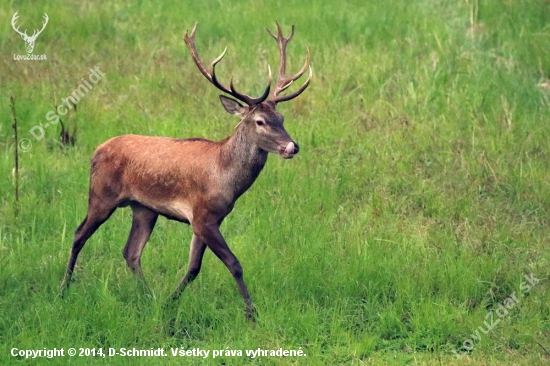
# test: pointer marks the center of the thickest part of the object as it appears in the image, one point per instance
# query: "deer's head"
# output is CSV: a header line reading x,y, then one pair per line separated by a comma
x,y
29,40
259,117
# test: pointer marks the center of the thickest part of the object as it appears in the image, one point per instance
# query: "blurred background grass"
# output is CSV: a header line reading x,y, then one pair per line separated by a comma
x,y
418,201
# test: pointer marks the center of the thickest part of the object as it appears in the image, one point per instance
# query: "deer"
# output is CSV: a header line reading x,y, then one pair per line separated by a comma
x,y
194,181
29,40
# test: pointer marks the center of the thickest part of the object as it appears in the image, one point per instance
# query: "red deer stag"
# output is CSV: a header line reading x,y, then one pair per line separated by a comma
x,y
195,181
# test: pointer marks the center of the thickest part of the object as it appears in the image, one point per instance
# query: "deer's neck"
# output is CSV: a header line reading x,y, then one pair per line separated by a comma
x,y
242,161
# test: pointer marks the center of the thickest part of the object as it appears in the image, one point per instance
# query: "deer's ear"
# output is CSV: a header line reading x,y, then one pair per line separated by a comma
x,y
232,106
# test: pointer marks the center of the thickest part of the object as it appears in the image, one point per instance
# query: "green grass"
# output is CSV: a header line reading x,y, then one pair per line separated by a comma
x,y
418,201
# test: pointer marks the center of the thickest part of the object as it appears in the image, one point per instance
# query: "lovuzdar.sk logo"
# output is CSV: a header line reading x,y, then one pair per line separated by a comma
x,y
29,40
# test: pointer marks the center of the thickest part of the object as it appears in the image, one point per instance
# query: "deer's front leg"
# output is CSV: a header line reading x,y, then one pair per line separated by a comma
x,y
210,234
196,253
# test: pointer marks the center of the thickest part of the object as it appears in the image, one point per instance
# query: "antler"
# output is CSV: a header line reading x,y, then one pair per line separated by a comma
x,y
13,20
37,32
284,82
24,34
211,76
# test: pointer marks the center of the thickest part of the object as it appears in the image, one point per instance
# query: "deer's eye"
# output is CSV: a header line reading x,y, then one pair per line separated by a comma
x,y
259,122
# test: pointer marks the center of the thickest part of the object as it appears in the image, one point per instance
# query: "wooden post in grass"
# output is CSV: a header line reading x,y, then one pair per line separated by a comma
x,y
16,156
65,137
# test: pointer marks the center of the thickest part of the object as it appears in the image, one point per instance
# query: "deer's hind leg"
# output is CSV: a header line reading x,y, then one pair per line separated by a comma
x,y
99,211
143,223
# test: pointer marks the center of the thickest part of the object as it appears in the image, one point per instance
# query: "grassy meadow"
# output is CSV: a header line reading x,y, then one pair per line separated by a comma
x,y
417,205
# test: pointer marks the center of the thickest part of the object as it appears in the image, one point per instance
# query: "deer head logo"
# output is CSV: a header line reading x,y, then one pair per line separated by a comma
x,y
29,40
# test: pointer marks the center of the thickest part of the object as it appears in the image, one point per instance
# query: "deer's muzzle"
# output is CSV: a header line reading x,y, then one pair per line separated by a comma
x,y
290,150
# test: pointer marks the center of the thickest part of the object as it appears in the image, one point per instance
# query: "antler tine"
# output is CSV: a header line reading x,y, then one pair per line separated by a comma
x,y
282,46
14,20
284,98
190,42
283,82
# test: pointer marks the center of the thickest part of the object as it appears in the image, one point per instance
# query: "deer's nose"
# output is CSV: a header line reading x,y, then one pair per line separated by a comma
x,y
290,150
296,148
